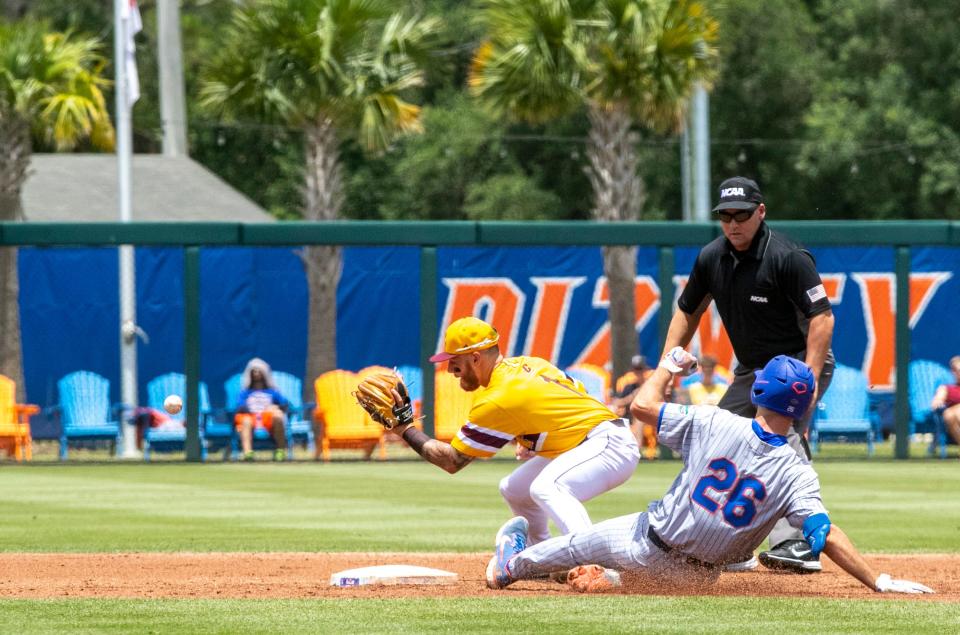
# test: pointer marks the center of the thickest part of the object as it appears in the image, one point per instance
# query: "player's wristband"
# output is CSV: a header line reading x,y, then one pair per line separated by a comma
x,y
404,413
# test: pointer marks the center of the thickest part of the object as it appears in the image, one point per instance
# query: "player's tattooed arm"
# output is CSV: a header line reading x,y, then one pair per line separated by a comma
x,y
441,454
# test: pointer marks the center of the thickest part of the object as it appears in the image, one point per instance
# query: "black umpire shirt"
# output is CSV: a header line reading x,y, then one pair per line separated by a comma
x,y
765,295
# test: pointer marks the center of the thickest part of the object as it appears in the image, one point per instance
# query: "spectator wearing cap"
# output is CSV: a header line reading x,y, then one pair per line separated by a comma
x,y
571,447
628,382
772,302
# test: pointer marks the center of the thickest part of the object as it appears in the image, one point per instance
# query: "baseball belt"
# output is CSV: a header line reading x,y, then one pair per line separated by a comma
x,y
665,548
600,427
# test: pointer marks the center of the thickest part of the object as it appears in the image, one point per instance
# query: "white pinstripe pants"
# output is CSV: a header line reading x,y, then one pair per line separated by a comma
x,y
619,543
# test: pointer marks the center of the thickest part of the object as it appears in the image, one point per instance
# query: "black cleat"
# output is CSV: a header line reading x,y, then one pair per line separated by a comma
x,y
794,556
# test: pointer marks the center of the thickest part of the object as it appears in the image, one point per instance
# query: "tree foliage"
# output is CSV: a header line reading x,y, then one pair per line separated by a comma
x,y
334,70
840,108
51,88
630,64
54,83
765,86
884,129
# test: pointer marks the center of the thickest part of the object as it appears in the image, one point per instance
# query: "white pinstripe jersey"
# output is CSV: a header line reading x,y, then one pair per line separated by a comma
x,y
737,481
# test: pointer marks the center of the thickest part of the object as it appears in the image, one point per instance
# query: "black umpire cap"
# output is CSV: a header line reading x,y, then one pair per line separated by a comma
x,y
739,193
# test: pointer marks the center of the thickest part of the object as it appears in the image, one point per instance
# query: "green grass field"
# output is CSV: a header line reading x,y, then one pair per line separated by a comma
x,y
884,505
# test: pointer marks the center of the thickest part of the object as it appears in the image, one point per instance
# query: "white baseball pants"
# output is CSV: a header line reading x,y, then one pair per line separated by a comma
x,y
545,489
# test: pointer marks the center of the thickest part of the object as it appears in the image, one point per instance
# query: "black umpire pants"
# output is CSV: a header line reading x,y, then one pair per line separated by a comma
x,y
737,400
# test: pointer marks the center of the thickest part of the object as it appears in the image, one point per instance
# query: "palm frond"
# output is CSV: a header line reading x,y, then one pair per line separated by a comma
x,y
386,116
299,61
534,62
55,82
543,58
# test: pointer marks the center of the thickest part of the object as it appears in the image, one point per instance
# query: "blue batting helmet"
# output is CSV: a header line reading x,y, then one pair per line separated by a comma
x,y
785,385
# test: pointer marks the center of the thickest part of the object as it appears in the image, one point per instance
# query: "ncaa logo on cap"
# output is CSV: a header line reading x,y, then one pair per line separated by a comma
x,y
739,193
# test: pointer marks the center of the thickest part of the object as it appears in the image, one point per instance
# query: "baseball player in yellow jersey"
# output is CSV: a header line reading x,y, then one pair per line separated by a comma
x,y
573,447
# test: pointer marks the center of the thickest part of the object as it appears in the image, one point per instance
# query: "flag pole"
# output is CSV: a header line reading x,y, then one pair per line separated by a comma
x,y
128,318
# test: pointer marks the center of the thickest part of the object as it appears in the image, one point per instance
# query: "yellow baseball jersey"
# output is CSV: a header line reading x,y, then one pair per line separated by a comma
x,y
533,401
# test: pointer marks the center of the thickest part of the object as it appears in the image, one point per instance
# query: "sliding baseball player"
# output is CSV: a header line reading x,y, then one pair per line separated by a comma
x,y
739,476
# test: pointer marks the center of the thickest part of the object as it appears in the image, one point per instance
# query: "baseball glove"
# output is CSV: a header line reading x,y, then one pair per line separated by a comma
x,y
375,395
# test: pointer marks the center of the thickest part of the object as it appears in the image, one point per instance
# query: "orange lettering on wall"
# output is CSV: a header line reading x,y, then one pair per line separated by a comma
x,y
833,283
711,337
923,286
548,320
646,295
878,294
496,300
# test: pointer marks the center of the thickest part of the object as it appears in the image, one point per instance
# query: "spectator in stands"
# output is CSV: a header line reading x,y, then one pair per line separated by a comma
x,y
707,391
628,383
948,398
260,405
624,390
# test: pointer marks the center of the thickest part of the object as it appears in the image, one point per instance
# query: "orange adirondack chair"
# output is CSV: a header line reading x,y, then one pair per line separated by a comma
x,y
15,435
342,423
452,406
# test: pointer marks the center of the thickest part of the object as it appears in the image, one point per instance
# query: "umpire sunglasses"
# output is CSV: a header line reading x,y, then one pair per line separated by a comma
x,y
740,216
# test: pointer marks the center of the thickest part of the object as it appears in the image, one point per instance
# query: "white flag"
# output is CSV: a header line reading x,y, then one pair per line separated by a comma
x,y
130,16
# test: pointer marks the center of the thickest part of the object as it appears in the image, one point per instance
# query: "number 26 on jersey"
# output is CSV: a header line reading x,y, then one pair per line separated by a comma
x,y
744,493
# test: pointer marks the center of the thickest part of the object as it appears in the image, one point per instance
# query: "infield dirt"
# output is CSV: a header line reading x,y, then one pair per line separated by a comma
x,y
307,575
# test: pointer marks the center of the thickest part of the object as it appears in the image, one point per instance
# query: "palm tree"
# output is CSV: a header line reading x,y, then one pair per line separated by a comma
x,y
332,69
50,88
629,63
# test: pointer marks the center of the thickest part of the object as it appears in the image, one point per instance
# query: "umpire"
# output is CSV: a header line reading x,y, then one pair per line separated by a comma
x,y
772,302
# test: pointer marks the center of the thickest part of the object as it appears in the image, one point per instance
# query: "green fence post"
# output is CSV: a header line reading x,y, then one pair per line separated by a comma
x,y
665,280
428,330
902,409
191,348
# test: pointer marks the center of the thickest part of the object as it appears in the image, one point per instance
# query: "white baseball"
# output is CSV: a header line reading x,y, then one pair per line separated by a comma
x,y
173,404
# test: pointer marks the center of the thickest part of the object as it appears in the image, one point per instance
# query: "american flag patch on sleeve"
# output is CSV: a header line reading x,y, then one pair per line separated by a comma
x,y
816,293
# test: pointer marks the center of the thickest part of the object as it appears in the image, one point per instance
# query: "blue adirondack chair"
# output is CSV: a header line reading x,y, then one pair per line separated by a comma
x,y
85,410
218,433
299,425
925,377
844,410
173,438
261,437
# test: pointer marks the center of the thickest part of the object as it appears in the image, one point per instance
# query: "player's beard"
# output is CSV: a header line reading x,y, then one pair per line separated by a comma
x,y
469,379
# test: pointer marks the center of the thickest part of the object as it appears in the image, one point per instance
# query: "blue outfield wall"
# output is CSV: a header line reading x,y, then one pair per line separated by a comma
x,y
548,301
